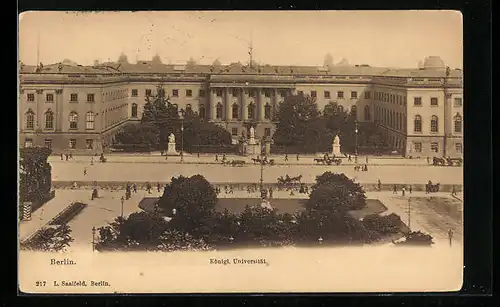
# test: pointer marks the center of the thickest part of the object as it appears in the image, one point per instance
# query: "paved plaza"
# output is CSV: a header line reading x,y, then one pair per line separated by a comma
x,y
101,211
128,170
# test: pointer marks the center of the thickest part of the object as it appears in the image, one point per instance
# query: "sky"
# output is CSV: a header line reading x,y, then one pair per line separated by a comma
x,y
376,38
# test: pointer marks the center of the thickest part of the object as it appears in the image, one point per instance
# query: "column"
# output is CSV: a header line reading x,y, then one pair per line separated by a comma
x,y
228,97
261,104
39,110
212,105
58,114
274,103
244,104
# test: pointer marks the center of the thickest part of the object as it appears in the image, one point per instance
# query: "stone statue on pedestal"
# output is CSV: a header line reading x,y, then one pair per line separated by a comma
x,y
171,138
336,146
252,141
171,146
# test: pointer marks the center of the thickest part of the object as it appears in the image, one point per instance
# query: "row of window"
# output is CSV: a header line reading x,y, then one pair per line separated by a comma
x,y
235,92
417,147
417,101
89,143
49,120
340,94
417,123
390,98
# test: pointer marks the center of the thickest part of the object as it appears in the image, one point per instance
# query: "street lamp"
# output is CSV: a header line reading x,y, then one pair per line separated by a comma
x,y
356,131
93,238
122,201
181,115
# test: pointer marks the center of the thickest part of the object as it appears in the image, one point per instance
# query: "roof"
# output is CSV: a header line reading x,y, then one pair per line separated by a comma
x,y
70,69
422,73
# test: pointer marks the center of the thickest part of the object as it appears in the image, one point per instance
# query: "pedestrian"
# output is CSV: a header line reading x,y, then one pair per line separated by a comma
x,y
162,152
349,158
450,236
148,187
166,157
409,188
403,191
366,159
135,188
286,157
297,157
270,192
91,160
62,157
453,191
224,157
66,155
394,190
158,187
428,160
198,154
355,159
41,214
379,185
216,158
84,171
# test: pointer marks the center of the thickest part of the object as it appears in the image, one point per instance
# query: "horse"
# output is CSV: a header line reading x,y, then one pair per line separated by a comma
x,y
256,160
432,188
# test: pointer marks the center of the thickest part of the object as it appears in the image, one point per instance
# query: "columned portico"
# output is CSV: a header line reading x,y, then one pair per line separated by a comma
x,y
244,104
212,104
227,103
261,104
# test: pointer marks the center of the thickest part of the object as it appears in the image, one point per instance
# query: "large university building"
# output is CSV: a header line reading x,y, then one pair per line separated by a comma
x,y
80,108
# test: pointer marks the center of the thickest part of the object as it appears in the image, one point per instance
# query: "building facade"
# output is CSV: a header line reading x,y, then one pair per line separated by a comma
x,y
81,108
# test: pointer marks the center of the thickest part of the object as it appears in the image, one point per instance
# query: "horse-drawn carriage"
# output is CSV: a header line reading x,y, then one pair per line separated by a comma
x,y
233,163
289,183
264,161
439,161
328,160
431,188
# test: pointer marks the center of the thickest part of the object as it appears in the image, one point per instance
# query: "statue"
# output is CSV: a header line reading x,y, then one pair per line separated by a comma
x,y
336,146
252,132
336,140
171,138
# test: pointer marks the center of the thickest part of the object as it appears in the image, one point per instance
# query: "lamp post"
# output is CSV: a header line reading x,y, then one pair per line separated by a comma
x,y
122,201
181,115
356,131
93,238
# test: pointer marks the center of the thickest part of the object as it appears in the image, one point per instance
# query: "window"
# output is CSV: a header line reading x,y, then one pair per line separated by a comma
x,y
457,102
267,111
28,143
72,143
327,94
73,98
340,95
189,108
367,113
234,131
49,120
148,92
175,93
367,95
458,123
134,110
417,147
434,101
134,93
219,111
434,124
73,120
354,95
235,111
218,92
434,147
458,147
267,132
267,93
313,94
89,120
202,113
201,93
48,143
49,97
417,123
189,93
31,97
90,97
353,111
30,120
235,92
251,111
89,144
417,101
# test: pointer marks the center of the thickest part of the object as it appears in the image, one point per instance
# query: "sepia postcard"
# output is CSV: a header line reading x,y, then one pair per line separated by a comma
x,y
240,151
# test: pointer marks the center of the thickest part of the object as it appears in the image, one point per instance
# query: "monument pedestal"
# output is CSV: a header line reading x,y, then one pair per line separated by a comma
x,y
252,149
336,150
171,150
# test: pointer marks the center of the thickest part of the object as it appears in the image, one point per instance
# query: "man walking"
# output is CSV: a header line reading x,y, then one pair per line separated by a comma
x,y
450,236
297,157
379,185
158,186
366,159
135,188
410,188
286,157
216,158
403,190
395,190
85,171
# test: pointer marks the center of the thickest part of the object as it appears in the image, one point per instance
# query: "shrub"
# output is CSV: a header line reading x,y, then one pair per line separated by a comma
x,y
417,238
68,214
388,224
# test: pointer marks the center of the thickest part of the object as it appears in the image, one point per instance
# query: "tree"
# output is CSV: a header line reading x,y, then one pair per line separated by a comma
x,y
35,182
293,116
138,134
194,200
174,240
349,193
198,132
50,239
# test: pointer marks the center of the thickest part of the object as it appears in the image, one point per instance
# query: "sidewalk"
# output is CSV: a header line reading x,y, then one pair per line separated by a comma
x,y
210,159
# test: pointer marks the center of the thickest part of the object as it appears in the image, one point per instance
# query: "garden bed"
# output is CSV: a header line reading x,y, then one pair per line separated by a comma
x,y
68,214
